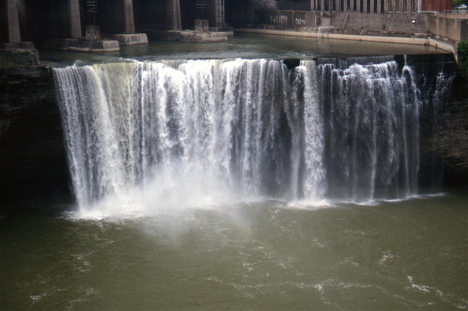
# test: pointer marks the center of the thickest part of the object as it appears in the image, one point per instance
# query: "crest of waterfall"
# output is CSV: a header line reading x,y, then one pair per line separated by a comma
x,y
184,132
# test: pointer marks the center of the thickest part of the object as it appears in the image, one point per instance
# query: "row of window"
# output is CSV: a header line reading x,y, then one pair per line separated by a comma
x,y
366,6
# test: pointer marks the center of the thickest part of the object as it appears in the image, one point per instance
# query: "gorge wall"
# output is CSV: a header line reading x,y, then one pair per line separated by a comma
x,y
451,139
32,156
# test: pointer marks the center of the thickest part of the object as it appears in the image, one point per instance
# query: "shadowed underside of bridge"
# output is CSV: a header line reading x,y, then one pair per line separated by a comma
x,y
103,25
39,21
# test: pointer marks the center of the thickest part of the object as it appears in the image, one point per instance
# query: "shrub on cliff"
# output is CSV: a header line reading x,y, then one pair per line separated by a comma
x,y
463,57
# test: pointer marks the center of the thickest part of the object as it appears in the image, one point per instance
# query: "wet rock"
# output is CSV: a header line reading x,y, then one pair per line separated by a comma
x,y
32,155
451,139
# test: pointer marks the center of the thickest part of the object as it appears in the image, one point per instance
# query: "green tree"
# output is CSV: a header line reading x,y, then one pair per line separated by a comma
x,y
462,51
457,3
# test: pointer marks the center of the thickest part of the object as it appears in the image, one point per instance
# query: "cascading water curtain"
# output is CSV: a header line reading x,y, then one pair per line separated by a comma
x,y
241,129
371,117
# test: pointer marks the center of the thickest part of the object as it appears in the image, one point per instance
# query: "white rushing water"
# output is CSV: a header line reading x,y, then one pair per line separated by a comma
x,y
146,135
372,125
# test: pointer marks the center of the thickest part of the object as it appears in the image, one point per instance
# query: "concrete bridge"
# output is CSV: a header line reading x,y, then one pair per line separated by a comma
x,y
105,25
82,24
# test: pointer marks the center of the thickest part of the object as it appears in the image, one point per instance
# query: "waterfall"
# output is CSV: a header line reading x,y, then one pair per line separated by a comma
x,y
198,130
372,117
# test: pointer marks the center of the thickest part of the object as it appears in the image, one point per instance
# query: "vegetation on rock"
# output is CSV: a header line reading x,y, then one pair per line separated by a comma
x,y
463,57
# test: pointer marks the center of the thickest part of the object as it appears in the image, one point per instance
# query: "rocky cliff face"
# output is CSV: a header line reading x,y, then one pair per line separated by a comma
x,y
451,139
32,155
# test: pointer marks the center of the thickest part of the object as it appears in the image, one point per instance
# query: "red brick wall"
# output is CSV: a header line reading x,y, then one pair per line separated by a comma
x,y
436,5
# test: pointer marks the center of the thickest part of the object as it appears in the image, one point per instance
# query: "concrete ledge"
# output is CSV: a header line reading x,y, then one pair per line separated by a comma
x,y
188,36
326,35
82,45
128,39
227,30
18,45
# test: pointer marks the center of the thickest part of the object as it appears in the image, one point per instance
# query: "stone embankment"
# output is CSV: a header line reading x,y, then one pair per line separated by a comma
x,y
438,29
356,35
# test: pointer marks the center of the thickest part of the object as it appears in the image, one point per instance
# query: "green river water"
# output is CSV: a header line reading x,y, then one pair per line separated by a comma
x,y
407,255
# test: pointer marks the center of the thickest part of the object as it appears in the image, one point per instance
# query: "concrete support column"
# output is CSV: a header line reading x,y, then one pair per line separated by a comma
x,y
74,19
174,13
9,22
10,37
115,16
72,37
116,19
128,20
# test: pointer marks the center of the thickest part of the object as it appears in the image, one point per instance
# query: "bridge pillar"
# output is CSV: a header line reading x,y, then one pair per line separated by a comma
x,y
68,15
12,49
9,22
74,19
174,14
117,22
128,19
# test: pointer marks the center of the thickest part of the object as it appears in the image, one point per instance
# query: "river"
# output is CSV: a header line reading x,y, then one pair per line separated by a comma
x,y
407,255
243,46
136,240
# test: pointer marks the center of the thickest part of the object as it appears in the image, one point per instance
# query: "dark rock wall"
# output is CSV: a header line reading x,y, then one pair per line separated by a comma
x,y
451,139
32,155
